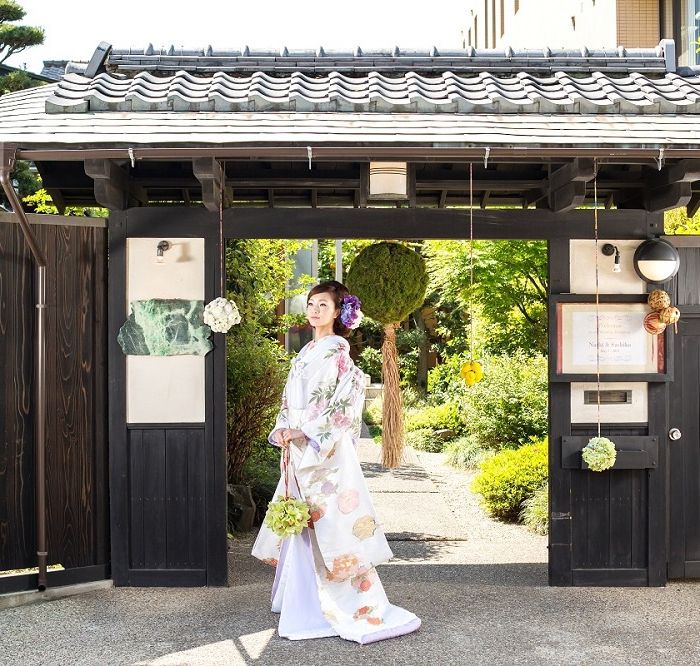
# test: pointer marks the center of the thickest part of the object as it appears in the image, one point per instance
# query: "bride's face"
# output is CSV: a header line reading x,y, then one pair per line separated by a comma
x,y
321,310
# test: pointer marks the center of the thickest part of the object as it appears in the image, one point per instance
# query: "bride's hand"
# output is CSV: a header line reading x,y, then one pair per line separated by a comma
x,y
289,435
279,438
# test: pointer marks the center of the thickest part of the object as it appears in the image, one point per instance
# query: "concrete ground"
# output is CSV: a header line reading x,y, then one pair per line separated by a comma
x,y
479,587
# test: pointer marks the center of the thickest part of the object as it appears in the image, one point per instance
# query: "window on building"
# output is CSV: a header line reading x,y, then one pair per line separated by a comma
x,y
691,28
487,23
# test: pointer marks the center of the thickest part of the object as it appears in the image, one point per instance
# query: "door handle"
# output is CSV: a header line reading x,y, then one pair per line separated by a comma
x,y
674,434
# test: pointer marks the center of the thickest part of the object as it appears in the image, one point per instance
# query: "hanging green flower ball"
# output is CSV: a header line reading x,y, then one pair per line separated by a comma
x,y
390,279
287,516
599,454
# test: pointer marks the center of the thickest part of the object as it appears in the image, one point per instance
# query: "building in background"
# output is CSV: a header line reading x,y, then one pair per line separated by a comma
x,y
594,23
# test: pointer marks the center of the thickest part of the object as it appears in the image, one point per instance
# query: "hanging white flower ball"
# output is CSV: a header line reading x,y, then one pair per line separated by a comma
x,y
220,314
599,454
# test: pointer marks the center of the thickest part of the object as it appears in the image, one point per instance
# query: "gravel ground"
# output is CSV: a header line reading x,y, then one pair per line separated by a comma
x,y
482,596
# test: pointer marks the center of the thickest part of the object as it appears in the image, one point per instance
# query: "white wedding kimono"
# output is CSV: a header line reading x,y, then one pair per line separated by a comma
x,y
326,583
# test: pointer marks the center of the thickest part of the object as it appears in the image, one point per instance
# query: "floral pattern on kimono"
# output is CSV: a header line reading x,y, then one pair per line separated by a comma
x,y
324,397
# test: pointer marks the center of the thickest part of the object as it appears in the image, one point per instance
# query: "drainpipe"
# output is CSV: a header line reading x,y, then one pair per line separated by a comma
x,y
6,165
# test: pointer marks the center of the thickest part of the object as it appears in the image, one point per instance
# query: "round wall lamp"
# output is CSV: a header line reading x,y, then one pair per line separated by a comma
x,y
656,260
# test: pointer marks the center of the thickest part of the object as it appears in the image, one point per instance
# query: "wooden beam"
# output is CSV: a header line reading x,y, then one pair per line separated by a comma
x,y
364,184
567,185
685,171
693,205
672,196
435,223
111,183
209,172
568,197
57,198
578,170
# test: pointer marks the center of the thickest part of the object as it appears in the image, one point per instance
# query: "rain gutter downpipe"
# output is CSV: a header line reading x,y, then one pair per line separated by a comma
x,y
7,164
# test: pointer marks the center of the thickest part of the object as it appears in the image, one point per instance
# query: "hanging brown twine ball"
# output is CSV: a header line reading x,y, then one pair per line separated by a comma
x,y
658,300
669,315
653,325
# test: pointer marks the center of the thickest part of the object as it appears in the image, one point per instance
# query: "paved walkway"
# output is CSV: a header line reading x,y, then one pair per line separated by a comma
x,y
480,588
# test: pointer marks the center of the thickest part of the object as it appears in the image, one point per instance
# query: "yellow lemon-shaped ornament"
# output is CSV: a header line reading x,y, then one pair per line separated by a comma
x,y
478,370
471,372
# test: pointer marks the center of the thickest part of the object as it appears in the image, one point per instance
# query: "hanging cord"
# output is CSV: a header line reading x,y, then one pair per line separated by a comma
x,y
597,295
221,227
285,459
471,262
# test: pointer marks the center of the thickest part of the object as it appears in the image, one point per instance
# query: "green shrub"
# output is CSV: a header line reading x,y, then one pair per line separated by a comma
x,y
446,416
508,407
256,371
407,340
444,382
424,440
373,414
412,397
535,511
510,477
370,361
466,453
261,471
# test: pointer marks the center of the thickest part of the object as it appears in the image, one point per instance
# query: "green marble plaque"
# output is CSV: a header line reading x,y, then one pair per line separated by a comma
x,y
165,327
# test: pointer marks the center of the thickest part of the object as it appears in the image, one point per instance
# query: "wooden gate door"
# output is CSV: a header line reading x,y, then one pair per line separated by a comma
x,y
684,415
168,480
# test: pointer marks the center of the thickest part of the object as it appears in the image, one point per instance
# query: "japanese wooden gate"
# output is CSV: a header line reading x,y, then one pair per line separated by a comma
x,y
166,159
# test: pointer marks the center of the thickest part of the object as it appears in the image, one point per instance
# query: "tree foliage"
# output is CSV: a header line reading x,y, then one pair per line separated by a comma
x,y
676,221
508,299
15,38
40,201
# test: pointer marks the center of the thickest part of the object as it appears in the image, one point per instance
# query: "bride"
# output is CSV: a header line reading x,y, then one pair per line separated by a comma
x,y
326,583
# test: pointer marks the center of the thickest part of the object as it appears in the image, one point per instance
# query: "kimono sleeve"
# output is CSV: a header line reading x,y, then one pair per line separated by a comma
x,y
342,416
282,420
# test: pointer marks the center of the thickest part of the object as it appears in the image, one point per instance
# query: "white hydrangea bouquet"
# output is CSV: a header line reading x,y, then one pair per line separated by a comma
x,y
599,454
221,314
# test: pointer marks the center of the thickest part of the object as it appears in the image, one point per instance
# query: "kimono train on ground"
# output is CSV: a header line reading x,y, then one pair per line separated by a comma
x,y
326,583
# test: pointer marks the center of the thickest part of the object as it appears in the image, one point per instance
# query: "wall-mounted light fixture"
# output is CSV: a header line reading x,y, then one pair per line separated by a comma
x,y
388,181
609,250
162,247
656,260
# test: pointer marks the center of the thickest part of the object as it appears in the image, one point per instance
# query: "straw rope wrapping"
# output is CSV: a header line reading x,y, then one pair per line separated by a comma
x,y
392,412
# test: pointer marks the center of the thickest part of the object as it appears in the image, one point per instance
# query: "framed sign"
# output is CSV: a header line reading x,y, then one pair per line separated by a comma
x,y
621,344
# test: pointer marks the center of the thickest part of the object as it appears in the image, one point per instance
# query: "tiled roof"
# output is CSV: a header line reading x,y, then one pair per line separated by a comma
x,y
405,93
24,121
54,69
319,61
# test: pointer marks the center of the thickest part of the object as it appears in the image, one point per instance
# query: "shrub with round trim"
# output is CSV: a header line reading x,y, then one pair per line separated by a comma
x,y
391,280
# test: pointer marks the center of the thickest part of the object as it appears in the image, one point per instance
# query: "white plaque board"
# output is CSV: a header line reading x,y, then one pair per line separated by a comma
x,y
611,339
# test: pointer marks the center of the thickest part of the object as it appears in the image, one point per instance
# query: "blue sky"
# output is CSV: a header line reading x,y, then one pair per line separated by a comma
x,y
75,27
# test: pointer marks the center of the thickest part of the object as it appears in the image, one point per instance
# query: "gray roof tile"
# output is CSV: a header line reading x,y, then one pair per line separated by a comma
x,y
377,92
392,59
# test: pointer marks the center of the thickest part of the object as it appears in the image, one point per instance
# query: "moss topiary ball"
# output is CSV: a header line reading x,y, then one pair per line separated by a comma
x,y
390,279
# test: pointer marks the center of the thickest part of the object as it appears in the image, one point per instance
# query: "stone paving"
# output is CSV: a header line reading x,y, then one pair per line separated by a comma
x,y
480,588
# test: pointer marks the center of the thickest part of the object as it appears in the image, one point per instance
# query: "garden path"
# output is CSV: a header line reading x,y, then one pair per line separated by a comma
x,y
480,588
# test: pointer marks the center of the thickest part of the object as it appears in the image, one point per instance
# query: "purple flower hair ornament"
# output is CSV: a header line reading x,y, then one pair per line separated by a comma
x,y
350,313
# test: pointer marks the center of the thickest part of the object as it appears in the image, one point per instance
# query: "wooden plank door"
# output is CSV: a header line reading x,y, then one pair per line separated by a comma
x,y
684,453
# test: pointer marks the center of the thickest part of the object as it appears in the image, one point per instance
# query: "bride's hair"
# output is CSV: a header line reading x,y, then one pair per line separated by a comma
x,y
337,291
